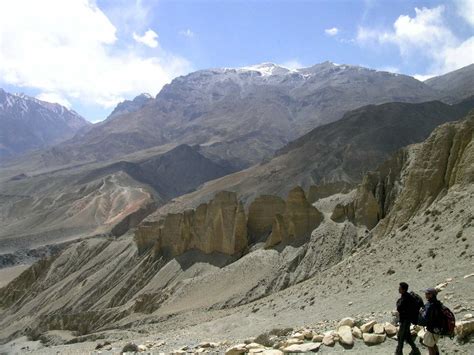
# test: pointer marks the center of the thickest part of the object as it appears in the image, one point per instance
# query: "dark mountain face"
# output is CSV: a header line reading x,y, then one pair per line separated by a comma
x,y
27,123
455,85
342,151
242,115
129,106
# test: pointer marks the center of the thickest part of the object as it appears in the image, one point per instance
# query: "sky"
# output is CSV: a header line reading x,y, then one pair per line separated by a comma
x,y
90,55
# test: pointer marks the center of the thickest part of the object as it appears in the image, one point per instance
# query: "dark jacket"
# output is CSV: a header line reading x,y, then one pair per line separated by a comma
x,y
405,307
431,317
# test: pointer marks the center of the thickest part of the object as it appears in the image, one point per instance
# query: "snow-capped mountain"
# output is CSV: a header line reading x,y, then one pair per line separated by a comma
x,y
27,123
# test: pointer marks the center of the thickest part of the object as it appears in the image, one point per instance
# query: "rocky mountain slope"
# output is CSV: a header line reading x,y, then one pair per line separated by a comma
x,y
28,123
129,106
455,85
241,115
56,206
109,288
337,154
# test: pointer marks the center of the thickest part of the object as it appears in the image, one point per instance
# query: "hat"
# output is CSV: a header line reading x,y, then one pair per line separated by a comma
x,y
431,290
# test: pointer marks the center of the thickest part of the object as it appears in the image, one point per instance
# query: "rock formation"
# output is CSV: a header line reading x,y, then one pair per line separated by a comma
x,y
413,178
262,212
217,226
299,219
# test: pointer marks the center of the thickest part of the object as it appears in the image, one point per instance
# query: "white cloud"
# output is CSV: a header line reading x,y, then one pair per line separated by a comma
x,y
331,31
426,35
187,33
149,38
465,9
292,64
71,48
54,98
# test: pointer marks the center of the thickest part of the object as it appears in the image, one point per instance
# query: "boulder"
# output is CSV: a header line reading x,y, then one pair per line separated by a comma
x,y
318,338
328,340
298,335
464,328
378,328
292,341
346,321
308,334
254,346
357,333
373,339
367,327
130,348
390,329
236,350
302,348
345,335
142,348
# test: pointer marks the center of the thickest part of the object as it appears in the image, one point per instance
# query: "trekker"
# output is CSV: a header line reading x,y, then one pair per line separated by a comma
x,y
430,321
406,307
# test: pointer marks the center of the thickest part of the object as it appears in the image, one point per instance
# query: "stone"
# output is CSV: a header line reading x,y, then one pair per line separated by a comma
x,y
298,335
346,321
328,340
464,328
345,335
302,348
440,287
254,346
468,316
142,348
308,334
378,328
272,352
357,333
390,329
292,341
318,338
468,276
236,350
130,347
373,339
108,347
367,327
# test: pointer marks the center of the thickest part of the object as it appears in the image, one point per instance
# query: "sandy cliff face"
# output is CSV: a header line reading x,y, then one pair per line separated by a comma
x,y
217,226
413,179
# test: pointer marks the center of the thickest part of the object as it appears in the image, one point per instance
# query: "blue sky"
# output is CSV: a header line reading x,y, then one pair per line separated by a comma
x,y
90,54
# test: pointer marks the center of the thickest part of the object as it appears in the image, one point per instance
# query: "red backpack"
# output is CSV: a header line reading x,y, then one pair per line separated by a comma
x,y
449,321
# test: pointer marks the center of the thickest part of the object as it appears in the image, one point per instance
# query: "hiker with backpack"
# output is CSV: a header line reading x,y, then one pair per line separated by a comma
x,y
408,307
437,319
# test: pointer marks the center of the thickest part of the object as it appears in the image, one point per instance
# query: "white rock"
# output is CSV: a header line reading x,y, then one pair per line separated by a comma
x,y
328,340
254,346
142,347
272,352
236,350
379,328
468,276
292,341
440,287
356,332
390,329
367,327
467,316
298,336
373,339
308,334
346,321
464,328
302,348
318,338
345,335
